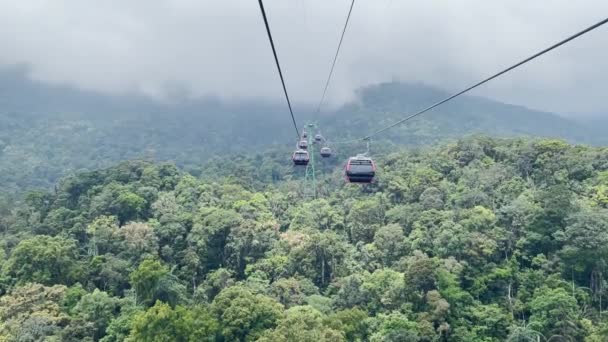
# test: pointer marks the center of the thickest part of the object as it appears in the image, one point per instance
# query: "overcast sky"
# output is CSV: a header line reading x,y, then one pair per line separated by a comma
x,y
220,47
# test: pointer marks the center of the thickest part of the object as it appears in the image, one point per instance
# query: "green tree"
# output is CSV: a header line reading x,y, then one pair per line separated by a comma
x,y
585,241
118,200
103,235
302,323
353,322
432,198
390,243
44,259
291,292
163,323
491,322
384,291
554,312
317,214
320,256
216,281
249,242
393,327
421,272
97,308
110,273
152,281
130,206
210,232
364,218
120,327
244,316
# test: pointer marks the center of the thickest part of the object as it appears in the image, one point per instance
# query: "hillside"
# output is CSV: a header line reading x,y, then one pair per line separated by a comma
x,y
479,240
383,104
50,131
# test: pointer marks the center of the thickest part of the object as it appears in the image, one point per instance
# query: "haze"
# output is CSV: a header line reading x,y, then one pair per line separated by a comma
x,y
219,48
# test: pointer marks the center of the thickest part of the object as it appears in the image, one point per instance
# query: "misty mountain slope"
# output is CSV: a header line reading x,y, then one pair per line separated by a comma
x,y
598,124
384,104
49,131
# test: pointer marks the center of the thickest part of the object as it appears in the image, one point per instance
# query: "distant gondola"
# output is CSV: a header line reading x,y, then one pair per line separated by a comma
x,y
300,157
303,145
360,169
325,152
304,135
318,138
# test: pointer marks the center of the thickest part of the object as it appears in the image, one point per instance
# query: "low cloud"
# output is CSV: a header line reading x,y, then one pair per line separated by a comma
x,y
219,48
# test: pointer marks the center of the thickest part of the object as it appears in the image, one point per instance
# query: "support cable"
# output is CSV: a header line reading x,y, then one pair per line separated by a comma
x,y
276,59
552,47
333,65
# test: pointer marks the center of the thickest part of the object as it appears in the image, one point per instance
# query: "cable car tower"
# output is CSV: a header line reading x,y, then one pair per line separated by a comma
x,y
310,179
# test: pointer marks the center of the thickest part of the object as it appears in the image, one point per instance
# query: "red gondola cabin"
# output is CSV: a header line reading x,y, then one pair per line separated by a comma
x,y
300,157
360,169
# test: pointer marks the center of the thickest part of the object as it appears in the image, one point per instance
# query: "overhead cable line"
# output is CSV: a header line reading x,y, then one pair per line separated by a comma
x,y
333,65
276,59
552,47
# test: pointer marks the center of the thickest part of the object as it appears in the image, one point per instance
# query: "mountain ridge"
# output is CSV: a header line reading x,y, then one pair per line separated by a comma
x,y
49,131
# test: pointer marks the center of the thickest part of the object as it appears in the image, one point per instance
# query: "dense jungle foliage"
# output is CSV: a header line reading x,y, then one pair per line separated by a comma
x,y
479,240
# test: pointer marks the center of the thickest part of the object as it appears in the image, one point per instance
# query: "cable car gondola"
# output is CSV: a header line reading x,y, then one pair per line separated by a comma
x,y
325,152
300,157
303,145
318,138
304,135
360,169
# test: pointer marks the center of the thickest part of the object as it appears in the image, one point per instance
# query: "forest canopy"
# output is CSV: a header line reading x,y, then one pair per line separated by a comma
x,y
478,240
